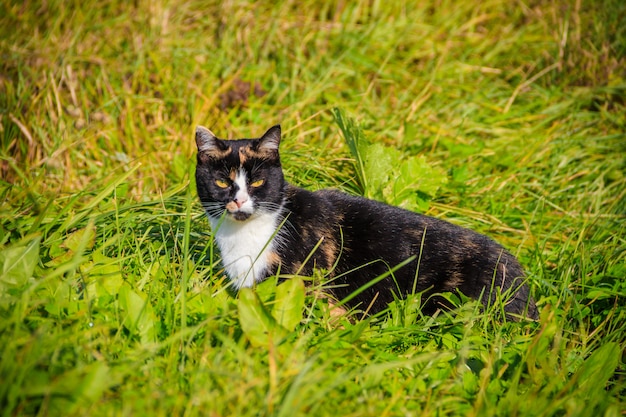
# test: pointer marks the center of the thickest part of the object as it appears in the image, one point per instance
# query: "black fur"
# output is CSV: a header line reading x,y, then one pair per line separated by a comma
x,y
359,240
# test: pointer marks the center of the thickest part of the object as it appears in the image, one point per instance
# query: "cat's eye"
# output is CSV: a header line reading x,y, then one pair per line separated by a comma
x,y
257,183
221,183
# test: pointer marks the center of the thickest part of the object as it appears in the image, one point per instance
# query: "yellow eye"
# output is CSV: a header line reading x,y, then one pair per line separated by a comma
x,y
258,183
221,183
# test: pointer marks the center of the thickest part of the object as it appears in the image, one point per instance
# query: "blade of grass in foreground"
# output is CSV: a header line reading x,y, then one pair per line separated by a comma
x,y
69,221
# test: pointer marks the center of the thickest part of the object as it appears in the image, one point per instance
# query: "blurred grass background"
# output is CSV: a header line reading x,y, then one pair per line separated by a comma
x,y
112,296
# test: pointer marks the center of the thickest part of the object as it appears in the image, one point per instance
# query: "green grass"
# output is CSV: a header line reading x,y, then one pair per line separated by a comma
x,y
112,300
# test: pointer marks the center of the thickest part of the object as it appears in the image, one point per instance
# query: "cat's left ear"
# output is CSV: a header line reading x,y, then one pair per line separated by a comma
x,y
270,140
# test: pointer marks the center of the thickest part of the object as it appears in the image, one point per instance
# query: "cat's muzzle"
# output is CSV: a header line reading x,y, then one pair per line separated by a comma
x,y
240,215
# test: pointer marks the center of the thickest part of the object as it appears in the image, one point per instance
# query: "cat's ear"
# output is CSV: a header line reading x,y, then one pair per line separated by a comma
x,y
209,146
270,140
206,140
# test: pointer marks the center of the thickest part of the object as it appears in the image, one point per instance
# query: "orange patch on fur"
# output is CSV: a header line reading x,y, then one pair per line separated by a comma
x,y
330,249
244,154
273,258
231,207
219,154
455,280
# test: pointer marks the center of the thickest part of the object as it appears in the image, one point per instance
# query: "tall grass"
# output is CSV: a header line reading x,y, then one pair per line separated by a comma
x,y
112,297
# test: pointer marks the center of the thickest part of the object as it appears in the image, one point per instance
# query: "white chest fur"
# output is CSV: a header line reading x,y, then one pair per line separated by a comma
x,y
246,247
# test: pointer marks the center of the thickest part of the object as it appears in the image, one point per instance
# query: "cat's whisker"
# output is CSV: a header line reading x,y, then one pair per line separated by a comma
x,y
270,205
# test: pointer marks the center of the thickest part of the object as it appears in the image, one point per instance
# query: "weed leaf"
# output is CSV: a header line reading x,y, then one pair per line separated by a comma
x,y
383,172
17,263
289,303
378,162
256,321
81,239
140,316
415,175
595,372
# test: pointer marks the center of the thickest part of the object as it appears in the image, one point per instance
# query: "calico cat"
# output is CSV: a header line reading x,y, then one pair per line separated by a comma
x,y
264,226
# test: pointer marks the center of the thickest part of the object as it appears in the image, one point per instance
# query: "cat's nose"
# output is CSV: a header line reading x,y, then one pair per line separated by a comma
x,y
240,202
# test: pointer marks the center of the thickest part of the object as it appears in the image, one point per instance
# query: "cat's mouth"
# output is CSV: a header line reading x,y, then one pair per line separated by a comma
x,y
236,212
240,215
239,211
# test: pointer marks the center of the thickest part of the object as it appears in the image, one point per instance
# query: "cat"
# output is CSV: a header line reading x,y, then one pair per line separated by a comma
x,y
265,226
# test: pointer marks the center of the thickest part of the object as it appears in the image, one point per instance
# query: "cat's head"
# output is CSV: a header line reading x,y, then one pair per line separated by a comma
x,y
239,178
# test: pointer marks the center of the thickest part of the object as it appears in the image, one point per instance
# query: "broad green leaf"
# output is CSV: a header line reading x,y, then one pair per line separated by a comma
x,y
266,290
289,303
81,385
256,322
75,243
601,294
102,275
415,174
595,372
383,173
18,263
81,239
107,273
378,164
84,383
139,315
470,382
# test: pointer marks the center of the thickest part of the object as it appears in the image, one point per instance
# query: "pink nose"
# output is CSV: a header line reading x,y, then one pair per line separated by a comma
x,y
240,202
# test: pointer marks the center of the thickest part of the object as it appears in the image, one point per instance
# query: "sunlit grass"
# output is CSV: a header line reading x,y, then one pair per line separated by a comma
x,y
112,298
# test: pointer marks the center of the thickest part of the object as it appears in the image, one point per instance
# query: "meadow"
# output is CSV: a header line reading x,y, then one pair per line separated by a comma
x,y
507,117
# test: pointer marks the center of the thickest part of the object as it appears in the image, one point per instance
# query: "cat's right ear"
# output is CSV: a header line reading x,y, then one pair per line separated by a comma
x,y
205,140
209,145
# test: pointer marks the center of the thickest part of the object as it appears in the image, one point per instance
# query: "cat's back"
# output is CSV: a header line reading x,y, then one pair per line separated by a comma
x,y
378,222
394,230
356,211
